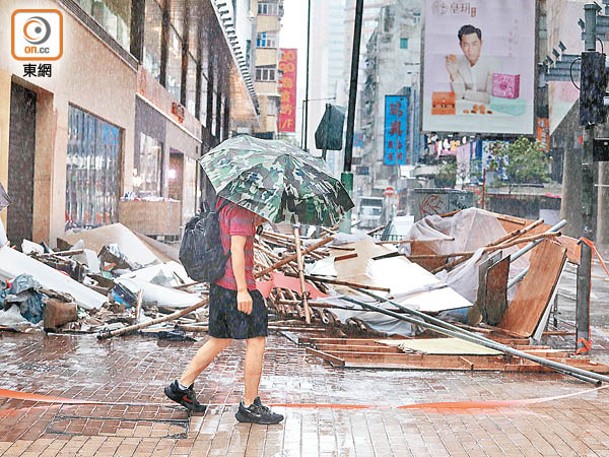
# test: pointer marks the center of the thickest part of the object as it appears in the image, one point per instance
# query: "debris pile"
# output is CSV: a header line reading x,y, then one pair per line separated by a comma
x,y
487,276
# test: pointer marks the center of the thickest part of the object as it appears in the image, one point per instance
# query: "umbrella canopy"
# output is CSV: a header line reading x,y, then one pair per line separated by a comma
x,y
276,180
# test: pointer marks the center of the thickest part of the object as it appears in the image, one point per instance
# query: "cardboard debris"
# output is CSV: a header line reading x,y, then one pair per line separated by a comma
x,y
440,346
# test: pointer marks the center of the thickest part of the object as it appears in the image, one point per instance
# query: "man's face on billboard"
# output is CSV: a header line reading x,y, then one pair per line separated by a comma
x,y
471,45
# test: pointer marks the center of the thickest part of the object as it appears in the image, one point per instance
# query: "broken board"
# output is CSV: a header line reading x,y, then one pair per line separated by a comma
x,y
534,293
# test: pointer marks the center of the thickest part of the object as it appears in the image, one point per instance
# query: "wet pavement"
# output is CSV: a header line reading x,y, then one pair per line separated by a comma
x,y
331,412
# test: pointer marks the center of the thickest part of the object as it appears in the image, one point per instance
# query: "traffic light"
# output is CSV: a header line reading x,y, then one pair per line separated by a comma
x,y
592,89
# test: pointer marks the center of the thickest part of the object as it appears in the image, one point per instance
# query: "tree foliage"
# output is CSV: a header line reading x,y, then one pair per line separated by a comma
x,y
523,160
447,175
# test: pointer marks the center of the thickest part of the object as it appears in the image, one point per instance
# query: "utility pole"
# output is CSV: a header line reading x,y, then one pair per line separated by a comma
x,y
346,176
588,119
306,100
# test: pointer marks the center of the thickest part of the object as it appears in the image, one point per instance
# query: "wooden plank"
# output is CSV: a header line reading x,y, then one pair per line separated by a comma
x,y
535,291
331,359
345,341
358,348
495,297
426,362
419,361
420,248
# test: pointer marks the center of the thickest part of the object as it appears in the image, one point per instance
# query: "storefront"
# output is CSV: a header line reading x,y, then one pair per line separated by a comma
x,y
70,131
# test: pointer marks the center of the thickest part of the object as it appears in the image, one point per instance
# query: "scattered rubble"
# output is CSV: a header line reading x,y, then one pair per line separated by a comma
x,y
488,274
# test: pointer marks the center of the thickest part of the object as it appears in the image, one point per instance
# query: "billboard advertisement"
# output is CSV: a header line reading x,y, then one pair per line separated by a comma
x,y
479,66
396,130
288,66
562,19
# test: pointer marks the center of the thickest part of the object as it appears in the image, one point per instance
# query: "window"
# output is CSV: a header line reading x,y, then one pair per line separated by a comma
x,y
152,38
203,100
266,40
92,170
266,73
173,82
114,17
191,85
147,166
403,43
268,8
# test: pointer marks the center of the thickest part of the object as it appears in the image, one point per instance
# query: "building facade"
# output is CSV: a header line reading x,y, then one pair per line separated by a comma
x,y
266,69
392,59
142,89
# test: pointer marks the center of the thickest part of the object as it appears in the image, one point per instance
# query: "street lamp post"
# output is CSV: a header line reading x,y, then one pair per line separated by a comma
x,y
305,101
346,176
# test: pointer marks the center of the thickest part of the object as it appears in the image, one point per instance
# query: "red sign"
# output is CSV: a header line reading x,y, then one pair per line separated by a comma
x,y
389,191
543,133
287,90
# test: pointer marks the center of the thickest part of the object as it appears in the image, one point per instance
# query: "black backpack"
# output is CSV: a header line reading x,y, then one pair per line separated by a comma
x,y
201,250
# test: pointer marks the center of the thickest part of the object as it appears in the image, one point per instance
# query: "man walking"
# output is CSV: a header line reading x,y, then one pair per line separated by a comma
x,y
237,311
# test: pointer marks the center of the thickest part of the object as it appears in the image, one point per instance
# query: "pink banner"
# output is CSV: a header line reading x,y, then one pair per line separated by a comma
x,y
288,66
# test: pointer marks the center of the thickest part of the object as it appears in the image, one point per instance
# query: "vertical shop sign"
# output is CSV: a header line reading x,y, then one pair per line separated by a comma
x,y
287,90
396,130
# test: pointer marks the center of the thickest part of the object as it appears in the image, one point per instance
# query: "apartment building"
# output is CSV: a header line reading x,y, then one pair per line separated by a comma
x,y
267,55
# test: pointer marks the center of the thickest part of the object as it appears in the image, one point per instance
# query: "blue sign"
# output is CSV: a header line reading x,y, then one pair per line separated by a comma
x,y
396,129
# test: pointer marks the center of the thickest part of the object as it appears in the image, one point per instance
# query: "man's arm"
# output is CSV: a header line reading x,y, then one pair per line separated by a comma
x,y
477,96
237,249
458,86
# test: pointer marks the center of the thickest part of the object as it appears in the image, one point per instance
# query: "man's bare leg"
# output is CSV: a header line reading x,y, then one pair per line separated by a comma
x,y
254,356
204,356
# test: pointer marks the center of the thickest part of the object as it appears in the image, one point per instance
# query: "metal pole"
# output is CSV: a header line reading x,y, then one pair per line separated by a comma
x,y
306,106
588,191
447,329
532,244
302,131
582,300
346,176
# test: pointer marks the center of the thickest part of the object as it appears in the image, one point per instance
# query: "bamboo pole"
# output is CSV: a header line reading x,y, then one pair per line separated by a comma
x,y
488,248
342,283
374,230
292,257
301,275
502,244
447,329
169,317
516,233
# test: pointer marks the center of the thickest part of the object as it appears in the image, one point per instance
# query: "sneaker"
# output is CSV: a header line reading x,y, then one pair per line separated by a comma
x,y
257,413
186,398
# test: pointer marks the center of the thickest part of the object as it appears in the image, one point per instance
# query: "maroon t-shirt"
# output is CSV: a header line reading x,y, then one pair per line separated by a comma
x,y
235,220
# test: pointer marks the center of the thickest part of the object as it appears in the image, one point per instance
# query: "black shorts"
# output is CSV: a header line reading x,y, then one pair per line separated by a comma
x,y
226,321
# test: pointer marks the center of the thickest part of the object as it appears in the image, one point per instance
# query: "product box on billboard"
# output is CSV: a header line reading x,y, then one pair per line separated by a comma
x,y
443,103
515,107
506,86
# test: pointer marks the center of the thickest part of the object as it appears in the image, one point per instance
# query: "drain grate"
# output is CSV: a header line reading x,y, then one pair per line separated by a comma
x,y
126,421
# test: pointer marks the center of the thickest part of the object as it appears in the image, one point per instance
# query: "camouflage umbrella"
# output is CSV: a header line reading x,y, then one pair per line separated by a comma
x,y
276,180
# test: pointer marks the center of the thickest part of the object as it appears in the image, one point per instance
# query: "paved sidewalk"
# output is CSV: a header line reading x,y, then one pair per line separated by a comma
x,y
132,372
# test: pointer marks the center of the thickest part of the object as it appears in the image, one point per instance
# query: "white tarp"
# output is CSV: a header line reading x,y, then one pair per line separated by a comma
x,y
162,296
13,263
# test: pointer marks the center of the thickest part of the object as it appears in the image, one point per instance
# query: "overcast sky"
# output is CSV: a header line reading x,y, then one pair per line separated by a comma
x,y
294,35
